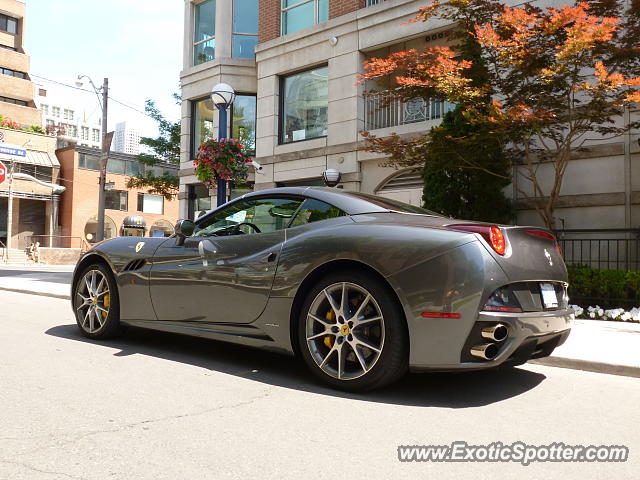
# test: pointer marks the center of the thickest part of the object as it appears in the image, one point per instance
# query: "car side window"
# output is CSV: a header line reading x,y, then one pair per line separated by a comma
x,y
261,215
313,210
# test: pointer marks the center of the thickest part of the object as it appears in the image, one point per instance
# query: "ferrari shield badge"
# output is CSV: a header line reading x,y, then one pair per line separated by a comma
x,y
139,246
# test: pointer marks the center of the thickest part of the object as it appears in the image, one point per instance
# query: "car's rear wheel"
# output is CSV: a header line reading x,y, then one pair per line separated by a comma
x,y
352,332
96,303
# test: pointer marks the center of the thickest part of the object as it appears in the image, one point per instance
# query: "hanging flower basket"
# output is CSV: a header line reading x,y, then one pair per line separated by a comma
x,y
221,159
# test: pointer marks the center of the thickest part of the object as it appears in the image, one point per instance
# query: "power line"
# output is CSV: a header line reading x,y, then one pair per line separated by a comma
x,y
90,91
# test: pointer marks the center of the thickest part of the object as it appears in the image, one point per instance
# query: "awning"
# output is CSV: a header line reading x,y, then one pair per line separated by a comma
x,y
32,157
134,221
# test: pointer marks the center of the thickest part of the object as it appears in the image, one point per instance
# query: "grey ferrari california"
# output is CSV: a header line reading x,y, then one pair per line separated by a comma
x,y
361,287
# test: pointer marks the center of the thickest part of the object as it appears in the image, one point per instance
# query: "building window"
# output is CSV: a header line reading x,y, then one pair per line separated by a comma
x,y
84,133
95,135
204,38
45,109
150,203
201,123
69,114
199,200
116,200
55,111
13,73
8,24
14,101
243,121
299,14
305,100
245,28
50,124
90,162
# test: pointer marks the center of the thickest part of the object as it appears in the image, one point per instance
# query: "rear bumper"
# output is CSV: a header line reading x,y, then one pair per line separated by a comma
x,y
530,335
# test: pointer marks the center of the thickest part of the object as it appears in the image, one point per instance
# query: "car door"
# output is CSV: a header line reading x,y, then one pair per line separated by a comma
x,y
224,272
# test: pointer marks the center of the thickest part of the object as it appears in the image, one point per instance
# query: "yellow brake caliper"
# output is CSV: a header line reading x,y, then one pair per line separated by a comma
x,y
328,340
106,300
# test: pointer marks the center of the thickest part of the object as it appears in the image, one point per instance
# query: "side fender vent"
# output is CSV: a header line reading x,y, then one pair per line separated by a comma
x,y
134,265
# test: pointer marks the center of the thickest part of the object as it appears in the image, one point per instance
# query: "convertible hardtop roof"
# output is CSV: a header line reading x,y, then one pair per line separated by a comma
x,y
352,203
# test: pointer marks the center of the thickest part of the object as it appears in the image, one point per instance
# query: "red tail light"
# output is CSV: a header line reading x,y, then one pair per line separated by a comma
x,y
491,233
547,235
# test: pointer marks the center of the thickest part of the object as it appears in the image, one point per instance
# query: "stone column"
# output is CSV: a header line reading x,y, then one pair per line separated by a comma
x,y
224,28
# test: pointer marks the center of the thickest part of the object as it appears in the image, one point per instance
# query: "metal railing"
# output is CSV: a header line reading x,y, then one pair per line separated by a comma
x,y
612,249
373,2
56,241
383,111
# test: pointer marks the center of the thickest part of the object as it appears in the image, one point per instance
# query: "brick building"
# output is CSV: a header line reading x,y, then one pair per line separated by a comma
x,y
129,212
309,111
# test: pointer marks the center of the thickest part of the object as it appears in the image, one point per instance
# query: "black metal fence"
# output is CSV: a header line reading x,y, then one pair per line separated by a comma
x,y
611,249
613,258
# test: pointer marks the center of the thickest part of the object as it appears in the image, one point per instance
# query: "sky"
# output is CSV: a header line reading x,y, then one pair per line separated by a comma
x,y
137,44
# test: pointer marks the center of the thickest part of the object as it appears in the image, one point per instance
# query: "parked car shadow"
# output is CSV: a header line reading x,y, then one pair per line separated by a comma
x,y
448,390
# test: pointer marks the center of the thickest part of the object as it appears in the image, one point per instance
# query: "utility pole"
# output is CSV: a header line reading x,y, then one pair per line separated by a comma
x,y
104,158
10,206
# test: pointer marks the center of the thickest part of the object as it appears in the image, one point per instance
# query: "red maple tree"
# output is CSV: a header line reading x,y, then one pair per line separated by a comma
x,y
555,79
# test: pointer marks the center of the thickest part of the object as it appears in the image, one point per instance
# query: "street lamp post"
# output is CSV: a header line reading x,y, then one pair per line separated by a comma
x,y
222,96
104,157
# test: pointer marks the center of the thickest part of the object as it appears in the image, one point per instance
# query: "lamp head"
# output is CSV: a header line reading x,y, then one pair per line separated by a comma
x,y
223,95
331,177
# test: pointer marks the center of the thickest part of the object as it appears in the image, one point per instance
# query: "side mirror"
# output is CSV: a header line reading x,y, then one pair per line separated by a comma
x,y
184,229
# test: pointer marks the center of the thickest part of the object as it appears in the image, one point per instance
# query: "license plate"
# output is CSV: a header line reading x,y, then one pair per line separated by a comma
x,y
549,297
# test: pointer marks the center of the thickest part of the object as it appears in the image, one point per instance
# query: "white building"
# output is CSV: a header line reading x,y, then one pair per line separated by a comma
x,y
126,140
74,119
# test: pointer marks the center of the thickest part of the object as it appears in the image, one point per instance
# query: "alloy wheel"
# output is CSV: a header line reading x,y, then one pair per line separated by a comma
x,y
93,301
345,330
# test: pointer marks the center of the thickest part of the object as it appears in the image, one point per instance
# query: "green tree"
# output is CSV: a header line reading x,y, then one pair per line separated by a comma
x,y
165,149
559,77
469,193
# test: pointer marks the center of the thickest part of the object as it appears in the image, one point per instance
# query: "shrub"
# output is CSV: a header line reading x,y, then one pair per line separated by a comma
x,y
612,287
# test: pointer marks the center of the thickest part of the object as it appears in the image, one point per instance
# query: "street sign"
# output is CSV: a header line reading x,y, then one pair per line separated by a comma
x,y
3,172
12,150
109,186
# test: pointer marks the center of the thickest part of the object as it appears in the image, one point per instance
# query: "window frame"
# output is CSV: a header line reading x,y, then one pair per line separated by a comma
x,y
123,195
141,195
195,43
192,127
7,19
316,14
281,102
276,196
255,120
233,32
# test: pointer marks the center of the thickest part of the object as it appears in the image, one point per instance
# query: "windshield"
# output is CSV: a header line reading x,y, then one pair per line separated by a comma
x,y
394,205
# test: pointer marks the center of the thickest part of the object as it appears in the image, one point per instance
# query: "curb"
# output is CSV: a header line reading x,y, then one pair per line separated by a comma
x,y
33,292
589,366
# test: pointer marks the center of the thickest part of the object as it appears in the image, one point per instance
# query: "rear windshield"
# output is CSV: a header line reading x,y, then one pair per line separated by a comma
x,y
393,204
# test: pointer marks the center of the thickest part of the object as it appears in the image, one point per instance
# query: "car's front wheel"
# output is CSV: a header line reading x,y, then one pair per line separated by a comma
x,y
95,302
352,332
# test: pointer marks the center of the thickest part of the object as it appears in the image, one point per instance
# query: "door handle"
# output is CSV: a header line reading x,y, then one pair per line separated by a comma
x,y
269,258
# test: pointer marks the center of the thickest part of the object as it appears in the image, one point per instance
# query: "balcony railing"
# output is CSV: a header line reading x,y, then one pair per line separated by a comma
x,y
382,112
373,2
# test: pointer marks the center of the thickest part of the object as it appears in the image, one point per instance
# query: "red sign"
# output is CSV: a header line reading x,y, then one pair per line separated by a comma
x,y
3,172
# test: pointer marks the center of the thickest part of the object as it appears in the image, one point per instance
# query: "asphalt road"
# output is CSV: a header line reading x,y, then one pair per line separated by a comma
x,y
157,406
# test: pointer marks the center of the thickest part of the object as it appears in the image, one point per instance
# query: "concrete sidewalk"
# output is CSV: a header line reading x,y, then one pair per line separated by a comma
x,y
600,346
31,280
595,346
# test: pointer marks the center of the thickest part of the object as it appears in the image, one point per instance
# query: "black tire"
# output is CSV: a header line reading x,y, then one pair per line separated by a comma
x,y
111,326
393,360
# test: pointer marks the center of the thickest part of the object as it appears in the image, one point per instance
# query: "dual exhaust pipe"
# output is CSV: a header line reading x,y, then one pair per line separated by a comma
x,y
489,351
